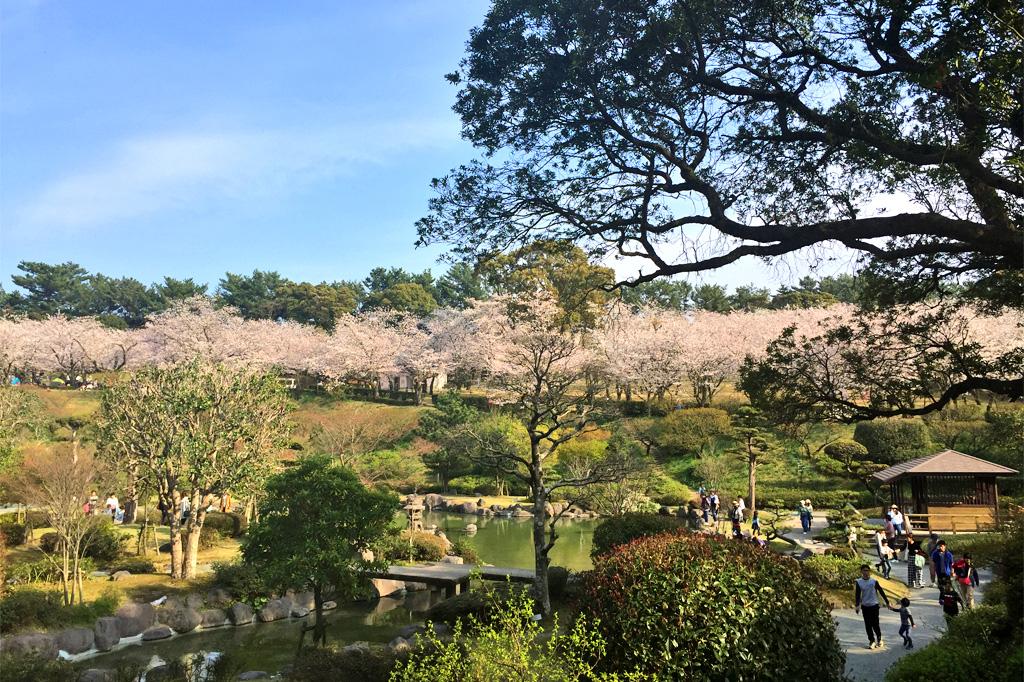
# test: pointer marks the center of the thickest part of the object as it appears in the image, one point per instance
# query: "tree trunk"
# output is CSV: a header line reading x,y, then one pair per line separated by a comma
x,y
131,504
192,530
319,625
752,483
65,568
540,536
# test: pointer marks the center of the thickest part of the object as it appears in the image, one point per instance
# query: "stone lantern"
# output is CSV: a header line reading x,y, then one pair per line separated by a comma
x,y
414,511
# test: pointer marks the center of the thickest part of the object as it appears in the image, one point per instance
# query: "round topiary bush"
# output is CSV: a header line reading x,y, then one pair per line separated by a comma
x,y
891,441
618,530
689,606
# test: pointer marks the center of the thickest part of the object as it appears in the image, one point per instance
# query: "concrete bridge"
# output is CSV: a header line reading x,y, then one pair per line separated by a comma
x,y
453,578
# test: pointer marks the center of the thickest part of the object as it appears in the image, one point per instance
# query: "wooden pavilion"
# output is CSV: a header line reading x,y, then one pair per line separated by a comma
x,y
947,491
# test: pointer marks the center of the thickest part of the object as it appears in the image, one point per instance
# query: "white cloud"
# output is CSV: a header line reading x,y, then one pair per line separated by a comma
x,y
190,170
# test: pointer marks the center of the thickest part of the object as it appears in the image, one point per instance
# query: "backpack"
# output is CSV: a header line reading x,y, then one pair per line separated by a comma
x,y
962,572
919,561
949,603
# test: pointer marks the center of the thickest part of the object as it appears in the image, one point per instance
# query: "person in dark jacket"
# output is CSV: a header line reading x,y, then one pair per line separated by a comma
x,y
942,562
966,579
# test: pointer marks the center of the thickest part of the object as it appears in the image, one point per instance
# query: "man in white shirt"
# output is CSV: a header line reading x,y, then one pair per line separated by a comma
x,y
897,519
112,504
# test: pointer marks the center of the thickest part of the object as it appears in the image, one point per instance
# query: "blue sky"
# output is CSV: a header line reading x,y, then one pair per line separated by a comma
x,y
192,138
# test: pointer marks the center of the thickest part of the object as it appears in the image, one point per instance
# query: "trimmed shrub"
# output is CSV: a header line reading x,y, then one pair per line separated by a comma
x,y
134,565
465,549
28,609
558,580
831,571
425,547
49,542
657,598
473,485
891,441
14,534
669,492
228,525
107,543
619,530
240,579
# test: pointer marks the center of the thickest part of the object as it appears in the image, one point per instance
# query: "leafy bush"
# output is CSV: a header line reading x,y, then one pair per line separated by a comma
x,y
134,565
668,492
228,525
208,538
49,542
558,579
691,431
107,543
619,530
477,604
822,499
473,485
366,665
831,571
14,534
513,646
657,598
241,580
36,518
34,669
425,547
463,548
891,441
967,651
32,609
42,571
846,451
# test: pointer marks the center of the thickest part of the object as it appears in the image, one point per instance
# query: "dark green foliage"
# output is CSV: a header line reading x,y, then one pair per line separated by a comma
x,y
325,665
691,431
831,571
397,547
476,604
42,571
967,651
49,542
891,441
657,599
14,534
465,549
620,530
229,525
106,543
558,580
242,580
33,669
473,485
28,609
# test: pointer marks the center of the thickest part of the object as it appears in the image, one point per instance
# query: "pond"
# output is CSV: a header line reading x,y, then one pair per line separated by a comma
x,y
271,646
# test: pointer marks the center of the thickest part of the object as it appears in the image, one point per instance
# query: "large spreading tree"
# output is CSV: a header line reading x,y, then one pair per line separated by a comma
x,y
689,134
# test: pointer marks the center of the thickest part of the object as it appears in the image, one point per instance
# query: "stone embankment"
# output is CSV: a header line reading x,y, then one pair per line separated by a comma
x,y
436,502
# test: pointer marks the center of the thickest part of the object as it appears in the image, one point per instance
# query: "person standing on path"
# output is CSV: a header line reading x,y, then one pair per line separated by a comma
x,y
805,515
755,524
933,541
914,567
966,579
906,622
884,559
890,530
865,600
942,561
715,505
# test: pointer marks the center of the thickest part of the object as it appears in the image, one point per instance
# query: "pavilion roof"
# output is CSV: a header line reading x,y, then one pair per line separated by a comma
x,y
947,462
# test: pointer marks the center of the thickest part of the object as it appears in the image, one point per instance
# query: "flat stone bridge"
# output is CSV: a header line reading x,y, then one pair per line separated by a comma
x,y
454,578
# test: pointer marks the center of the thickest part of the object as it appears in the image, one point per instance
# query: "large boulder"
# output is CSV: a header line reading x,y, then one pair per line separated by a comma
x,y
106,633
304,599
132,619
411,630
434,501
452,560
466,508
180,619
275,609
240,614
360,648
157,632
37,644
299,611
386,588
213,618
97,675
118,576
330,605
470,528
399,645
75,640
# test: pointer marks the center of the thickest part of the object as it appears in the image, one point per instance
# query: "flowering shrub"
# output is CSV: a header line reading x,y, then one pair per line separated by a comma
x,y
690,606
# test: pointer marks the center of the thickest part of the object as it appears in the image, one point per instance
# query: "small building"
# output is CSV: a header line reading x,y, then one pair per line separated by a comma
x,y
947,491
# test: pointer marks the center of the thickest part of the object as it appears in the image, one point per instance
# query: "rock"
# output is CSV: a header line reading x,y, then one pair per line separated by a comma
x,y
157,632
75,640
254,675
106,633
96,675
497,508
194,601
487,512
330,605
275,609
240,614
299,611
305,600
410,630
806,554
386,588
181,620
441,629
465,508
415,587
212,618
471,528
36,644
159,673
399,645
664,511
357,648
557,508
120,575
218,597
522,514
132,619
549,509
452,560
433,501
482,511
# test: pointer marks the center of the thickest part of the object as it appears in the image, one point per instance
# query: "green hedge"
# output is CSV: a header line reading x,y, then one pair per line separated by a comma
x,y
28,609
619,530
682,606
425,547
831,571
891,441
242,580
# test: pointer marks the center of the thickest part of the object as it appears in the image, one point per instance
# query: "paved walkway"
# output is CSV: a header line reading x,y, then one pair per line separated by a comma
x,y
819,522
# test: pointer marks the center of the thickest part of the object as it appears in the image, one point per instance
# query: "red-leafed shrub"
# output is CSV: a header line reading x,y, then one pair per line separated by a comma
x,y
690,606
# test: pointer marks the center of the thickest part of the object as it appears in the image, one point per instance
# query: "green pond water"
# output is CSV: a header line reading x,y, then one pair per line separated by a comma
x,y
271,646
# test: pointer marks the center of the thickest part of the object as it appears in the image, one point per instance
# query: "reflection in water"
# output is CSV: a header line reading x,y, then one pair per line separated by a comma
x,y
271,646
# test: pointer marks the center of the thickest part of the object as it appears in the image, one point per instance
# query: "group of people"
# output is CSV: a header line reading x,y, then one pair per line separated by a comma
x,y
112,507
805,510
956,579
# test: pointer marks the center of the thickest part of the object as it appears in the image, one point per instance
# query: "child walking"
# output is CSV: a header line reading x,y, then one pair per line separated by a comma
x,y
906,622
755,524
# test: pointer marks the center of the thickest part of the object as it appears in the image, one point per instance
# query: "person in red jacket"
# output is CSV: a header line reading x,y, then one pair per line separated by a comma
x,y
966,579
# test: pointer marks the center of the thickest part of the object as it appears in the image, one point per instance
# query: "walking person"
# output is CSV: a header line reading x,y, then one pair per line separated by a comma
x,y
889,529
906,622
810,514
884,559
865,600
715,505
966,579
915,561
755,524
805,517
950,600
942,563
186,508
933,541
737,518
705,508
